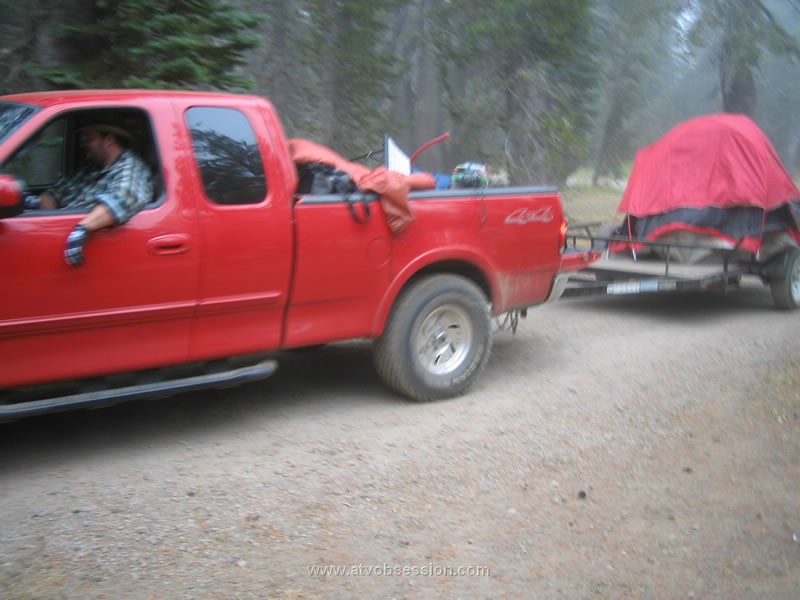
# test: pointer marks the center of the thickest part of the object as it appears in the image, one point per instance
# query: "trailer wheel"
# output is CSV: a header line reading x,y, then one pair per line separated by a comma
x,y
437,340
786,286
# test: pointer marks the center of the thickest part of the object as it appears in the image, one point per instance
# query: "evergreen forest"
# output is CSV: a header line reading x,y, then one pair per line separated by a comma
x,y
536,88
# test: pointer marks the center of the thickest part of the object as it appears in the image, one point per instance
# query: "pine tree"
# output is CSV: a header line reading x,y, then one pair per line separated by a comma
x,y
739,34
157,44
522,72
353,71
635,38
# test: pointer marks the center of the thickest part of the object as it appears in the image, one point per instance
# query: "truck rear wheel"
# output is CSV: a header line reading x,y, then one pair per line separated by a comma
x,y
437,340
786,287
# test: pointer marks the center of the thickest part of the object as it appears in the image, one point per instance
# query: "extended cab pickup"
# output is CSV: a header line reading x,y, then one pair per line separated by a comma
x,y
228,263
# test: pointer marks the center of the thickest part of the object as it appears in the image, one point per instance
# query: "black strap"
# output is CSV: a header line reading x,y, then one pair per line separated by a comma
x,y
351,204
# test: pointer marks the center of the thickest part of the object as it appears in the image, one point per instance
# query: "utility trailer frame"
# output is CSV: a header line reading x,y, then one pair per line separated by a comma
x,y
621,274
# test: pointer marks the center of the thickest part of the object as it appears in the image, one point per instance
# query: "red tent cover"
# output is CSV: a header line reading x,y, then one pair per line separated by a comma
x,y
392,187
715,174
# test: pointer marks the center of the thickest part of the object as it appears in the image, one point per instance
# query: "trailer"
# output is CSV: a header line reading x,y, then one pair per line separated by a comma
x,y
705,205
649,267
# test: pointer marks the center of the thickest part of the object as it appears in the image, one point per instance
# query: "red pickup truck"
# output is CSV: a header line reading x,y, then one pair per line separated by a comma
x,y
228,263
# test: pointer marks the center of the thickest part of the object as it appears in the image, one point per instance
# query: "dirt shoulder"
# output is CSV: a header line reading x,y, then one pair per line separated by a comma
x,y
629,448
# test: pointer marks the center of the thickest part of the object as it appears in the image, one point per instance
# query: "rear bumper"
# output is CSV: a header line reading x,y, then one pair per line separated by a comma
x,y
577,260
570,261
559,285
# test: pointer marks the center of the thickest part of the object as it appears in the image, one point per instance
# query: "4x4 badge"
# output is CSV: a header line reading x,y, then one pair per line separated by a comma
x,y
522,216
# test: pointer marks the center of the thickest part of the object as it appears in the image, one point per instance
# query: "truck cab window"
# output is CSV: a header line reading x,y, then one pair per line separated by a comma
x,y
54,153
12,116
40,162
227,155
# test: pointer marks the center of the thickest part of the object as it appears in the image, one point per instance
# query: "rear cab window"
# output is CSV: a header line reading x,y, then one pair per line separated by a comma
x,y
227,154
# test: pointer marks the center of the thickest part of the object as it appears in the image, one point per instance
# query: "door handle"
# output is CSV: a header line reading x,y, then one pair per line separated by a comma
x,y
175,243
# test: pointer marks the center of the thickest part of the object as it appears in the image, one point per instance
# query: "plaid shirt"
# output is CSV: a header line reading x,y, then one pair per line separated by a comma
x,y
124,186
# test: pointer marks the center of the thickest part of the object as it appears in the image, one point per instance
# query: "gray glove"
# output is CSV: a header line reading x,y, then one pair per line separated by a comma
x,y
73,253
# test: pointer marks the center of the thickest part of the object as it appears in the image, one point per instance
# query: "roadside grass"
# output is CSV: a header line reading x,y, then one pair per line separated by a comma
x,y
777,395
586,203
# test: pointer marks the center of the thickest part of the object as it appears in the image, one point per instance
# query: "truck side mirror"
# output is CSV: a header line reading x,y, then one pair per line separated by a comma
x,y
10,197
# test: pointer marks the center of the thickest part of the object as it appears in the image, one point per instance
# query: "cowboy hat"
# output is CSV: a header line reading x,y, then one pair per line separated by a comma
x,y
107,128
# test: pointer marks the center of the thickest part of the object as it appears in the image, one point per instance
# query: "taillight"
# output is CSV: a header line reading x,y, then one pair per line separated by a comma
x,y
562,233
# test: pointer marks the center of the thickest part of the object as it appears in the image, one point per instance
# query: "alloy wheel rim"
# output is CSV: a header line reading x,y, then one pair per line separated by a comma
x,y
795,282
444,339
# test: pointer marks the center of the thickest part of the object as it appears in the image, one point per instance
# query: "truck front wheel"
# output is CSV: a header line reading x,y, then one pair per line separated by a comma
x,y
437,340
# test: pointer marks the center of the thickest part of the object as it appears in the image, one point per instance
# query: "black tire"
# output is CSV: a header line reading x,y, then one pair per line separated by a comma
x,y
437,340
786,287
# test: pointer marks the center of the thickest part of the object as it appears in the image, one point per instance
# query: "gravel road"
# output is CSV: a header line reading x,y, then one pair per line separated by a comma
x,y
613,448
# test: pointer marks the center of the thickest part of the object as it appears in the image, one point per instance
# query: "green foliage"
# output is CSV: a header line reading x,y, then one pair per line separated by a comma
x,y
531,86
529,65
18,29
157,44
739,32
525,30
627,65
354,68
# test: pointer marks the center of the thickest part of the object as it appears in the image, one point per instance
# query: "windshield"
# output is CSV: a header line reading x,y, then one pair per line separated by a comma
x,y
12,116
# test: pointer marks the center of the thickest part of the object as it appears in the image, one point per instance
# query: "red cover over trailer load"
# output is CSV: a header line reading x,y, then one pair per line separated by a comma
x,y
715,175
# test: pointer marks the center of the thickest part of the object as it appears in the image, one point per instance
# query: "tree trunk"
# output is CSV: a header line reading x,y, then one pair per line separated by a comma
x,y
417,103
34,41
738,89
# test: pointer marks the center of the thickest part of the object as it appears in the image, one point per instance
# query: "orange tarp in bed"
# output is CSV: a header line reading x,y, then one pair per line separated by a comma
x,y
392,187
